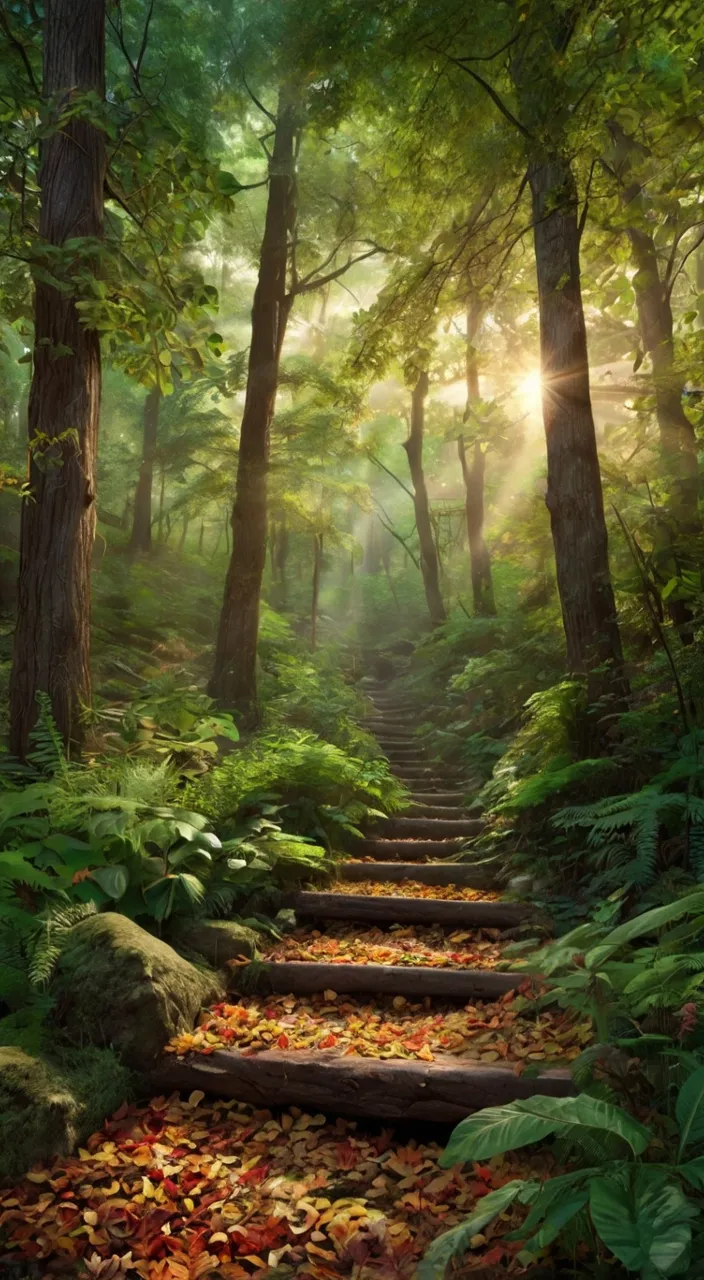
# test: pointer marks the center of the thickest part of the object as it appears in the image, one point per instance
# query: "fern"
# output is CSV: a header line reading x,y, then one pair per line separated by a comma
x,y
46,753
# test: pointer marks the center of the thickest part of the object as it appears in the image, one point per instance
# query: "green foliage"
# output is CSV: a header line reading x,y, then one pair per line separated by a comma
x,y
319,788
642,1212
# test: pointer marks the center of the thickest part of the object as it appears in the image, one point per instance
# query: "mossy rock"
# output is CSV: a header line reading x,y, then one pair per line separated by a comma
x,y
117,985
217,941
38,1113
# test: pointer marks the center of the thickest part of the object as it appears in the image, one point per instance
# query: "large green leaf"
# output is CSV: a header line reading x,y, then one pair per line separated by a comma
x,y
690,1110
651,921
562,1209
693,1171
644,1219
112,880
450,1243
498,1129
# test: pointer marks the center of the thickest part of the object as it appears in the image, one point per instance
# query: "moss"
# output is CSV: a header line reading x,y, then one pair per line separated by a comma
x,y
38,1113
116,985
217,940
99,1082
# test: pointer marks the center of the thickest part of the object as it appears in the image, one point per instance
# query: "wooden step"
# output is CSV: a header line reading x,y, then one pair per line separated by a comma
x,y
428,828
453,798
444,1091
436,811
459,873
400,910
307,978
407,850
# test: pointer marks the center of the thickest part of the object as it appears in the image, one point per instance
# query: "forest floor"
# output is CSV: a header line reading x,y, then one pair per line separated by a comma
x,y
396,1003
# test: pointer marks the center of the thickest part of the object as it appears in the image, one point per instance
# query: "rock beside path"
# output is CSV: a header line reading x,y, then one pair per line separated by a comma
x,y
217,941
38,1114
118,985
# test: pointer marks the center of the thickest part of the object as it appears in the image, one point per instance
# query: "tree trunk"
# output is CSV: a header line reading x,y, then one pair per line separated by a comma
x,y
52,636
473,476
281,559
574,496
317,565
428,552
234,678
201,535
184,532
141,536
162,492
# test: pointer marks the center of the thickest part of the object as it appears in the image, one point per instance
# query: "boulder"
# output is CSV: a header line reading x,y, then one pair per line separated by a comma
x,y
118,985
38,1114
217,941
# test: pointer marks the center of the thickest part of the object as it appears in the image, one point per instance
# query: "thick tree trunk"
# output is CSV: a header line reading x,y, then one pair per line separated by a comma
x,y
52,636
428,551
574,495
234,678
141,536
473,476
317,566
162,493
201,535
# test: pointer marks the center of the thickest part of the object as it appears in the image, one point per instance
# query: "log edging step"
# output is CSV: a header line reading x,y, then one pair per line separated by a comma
x,y
400,910
460,873
307,977
420,825
408,849
444,1090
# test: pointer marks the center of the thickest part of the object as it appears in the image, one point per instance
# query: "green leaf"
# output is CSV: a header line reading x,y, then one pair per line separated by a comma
x,y
693,1171
650,921
644,1221
561,1210
690,1110
498,1129
112,880
450,1243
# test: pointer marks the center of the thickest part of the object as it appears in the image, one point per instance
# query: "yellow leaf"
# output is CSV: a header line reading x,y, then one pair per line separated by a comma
x,y
188,1203
38,1177
196,1097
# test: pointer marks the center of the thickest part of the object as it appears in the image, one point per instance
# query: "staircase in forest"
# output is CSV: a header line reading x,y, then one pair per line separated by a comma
x,y
383,887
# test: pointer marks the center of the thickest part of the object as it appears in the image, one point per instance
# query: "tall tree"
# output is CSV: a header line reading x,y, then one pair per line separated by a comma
x,y
428,551
473,476
234,678
141,535
52,636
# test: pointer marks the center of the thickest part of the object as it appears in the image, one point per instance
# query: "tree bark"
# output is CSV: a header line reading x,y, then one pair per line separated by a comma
x,y
473,476
574,495
184,532
141,536
317,565
52,635
428,552
234,679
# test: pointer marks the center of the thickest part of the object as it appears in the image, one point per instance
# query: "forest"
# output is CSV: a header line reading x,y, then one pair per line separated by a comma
x,y
351,629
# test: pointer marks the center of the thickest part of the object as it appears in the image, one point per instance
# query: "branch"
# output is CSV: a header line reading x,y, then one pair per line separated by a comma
x,y
17,44
495,98
309,284
390,529
378,463
145,39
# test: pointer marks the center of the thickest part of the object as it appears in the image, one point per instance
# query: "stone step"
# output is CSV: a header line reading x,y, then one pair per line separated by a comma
x,y
307,978
444,1091
407,850
400,910
459,873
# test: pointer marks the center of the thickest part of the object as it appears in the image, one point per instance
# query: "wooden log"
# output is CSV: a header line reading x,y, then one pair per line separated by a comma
x,y
436,811
408,850
454,798
400,910
305,978
461,873
429,828
445,1090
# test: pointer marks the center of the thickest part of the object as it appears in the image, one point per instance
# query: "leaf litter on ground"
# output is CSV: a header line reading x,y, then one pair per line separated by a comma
x,y
413,889
431,947
187,1188
504,1030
